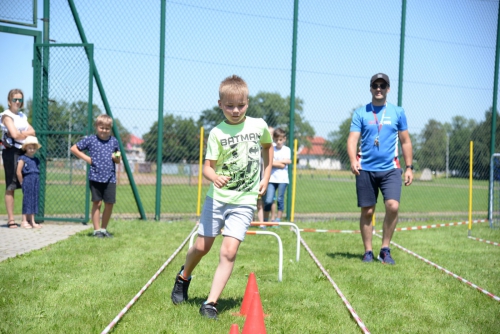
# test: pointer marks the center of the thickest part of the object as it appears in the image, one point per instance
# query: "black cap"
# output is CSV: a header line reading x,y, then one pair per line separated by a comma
x,y
380,76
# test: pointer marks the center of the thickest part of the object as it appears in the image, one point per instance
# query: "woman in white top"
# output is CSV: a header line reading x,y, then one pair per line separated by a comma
x,y
15,128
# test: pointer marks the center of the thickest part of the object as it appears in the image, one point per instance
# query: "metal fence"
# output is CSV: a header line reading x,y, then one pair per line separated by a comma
x,y
162,80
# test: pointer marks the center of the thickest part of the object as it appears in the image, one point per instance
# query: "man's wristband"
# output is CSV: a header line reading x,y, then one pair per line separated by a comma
x,y
410,167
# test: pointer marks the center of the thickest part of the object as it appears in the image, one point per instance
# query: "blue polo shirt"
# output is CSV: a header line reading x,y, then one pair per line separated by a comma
x,y
368,120
102,168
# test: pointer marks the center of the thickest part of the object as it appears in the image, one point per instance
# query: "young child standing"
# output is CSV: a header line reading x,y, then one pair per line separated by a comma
x,y
232,165
28,174
103,154
279,175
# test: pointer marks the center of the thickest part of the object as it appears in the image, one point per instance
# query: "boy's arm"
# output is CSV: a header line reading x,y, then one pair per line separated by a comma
x,y
267,156
209,173
19,170
80,155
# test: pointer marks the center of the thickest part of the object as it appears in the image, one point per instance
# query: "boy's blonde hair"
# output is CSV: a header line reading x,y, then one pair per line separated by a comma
x,y
233,85
11,95
103,119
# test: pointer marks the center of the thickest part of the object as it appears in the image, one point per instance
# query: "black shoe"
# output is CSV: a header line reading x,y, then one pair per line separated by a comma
x,y
107,234
180,290
98,234
208,310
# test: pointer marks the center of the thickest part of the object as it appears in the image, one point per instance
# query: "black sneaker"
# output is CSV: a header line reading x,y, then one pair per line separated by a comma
x,y
98,234
180,290
368,257
107,234
385,256
208,310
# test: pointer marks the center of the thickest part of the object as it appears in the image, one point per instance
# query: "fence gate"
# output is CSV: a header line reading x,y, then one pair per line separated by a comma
x,y
62,115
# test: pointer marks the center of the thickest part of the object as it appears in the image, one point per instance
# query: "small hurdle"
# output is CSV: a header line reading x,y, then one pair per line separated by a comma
x,y
292,227
280,248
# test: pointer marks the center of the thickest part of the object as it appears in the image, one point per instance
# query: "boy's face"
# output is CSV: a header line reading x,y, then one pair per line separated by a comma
x,y
103,131
234,108
280,141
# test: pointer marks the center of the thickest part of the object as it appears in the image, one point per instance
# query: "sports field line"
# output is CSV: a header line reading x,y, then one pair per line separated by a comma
x,y
410,228
487,241
129,305
463,280
337,289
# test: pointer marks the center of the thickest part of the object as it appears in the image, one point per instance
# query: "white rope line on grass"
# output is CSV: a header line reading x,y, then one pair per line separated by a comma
x,y
482,240
129,305
410,228
344,299
463,280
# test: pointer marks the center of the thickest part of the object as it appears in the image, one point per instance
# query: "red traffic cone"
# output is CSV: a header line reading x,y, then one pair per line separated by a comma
x,y
254,323
234,329
249,293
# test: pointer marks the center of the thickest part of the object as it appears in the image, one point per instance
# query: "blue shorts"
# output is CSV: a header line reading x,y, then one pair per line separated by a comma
x,y
234,218
368,184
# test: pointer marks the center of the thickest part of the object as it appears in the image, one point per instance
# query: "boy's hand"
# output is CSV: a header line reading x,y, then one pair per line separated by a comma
x,y
221,180
262,188
116,157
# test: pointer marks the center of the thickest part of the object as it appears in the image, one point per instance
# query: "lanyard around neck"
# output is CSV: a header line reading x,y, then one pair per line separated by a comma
x,y
381,123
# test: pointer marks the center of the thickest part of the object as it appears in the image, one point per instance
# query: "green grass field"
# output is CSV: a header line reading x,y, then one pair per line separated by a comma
x,y
314,194
80,284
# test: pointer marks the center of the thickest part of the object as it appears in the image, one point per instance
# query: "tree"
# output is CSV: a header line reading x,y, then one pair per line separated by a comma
x,y
432,152
481,136
69,117
273,108
459,138
337,142
180,140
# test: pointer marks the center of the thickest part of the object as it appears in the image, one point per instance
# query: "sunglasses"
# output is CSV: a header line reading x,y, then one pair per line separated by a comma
x,y
17,100
381,86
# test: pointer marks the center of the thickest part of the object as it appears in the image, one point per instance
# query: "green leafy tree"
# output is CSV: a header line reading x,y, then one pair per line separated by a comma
x,y
337,142
273,108
180,140
432,152
70,117
459,139
481,136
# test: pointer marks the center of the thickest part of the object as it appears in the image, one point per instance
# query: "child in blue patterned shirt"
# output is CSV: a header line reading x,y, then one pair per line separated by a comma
x,y
103,154
28,175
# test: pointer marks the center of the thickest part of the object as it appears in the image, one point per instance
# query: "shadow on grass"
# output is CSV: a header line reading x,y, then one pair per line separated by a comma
x,y
223,304
348,256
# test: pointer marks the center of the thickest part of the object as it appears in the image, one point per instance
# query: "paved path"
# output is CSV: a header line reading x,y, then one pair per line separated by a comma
x,y
14,241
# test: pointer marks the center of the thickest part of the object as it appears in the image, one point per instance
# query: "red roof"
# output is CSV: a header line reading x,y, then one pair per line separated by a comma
x,y
317,147
135,140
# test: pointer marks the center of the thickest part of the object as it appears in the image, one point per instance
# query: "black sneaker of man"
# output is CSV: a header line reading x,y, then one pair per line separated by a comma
x,y
107,234
98,234
180,290
208,310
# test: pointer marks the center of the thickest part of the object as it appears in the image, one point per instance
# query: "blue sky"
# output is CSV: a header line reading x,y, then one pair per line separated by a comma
x,y
449,55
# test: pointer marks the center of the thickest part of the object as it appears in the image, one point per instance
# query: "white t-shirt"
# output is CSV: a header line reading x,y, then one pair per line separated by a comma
x,y
20,122
280,175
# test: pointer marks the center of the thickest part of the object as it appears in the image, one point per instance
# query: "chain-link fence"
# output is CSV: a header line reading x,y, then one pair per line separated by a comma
x,y
443,79
19,12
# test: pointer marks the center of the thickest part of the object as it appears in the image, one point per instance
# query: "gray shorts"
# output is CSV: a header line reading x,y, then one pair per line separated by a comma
x,y
369,183
234,218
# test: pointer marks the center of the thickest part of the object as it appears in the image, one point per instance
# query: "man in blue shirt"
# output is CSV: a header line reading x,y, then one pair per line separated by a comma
x,y
379,125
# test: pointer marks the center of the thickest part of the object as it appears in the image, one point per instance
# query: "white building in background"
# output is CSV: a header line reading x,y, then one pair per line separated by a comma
x,y
317,157
134,151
